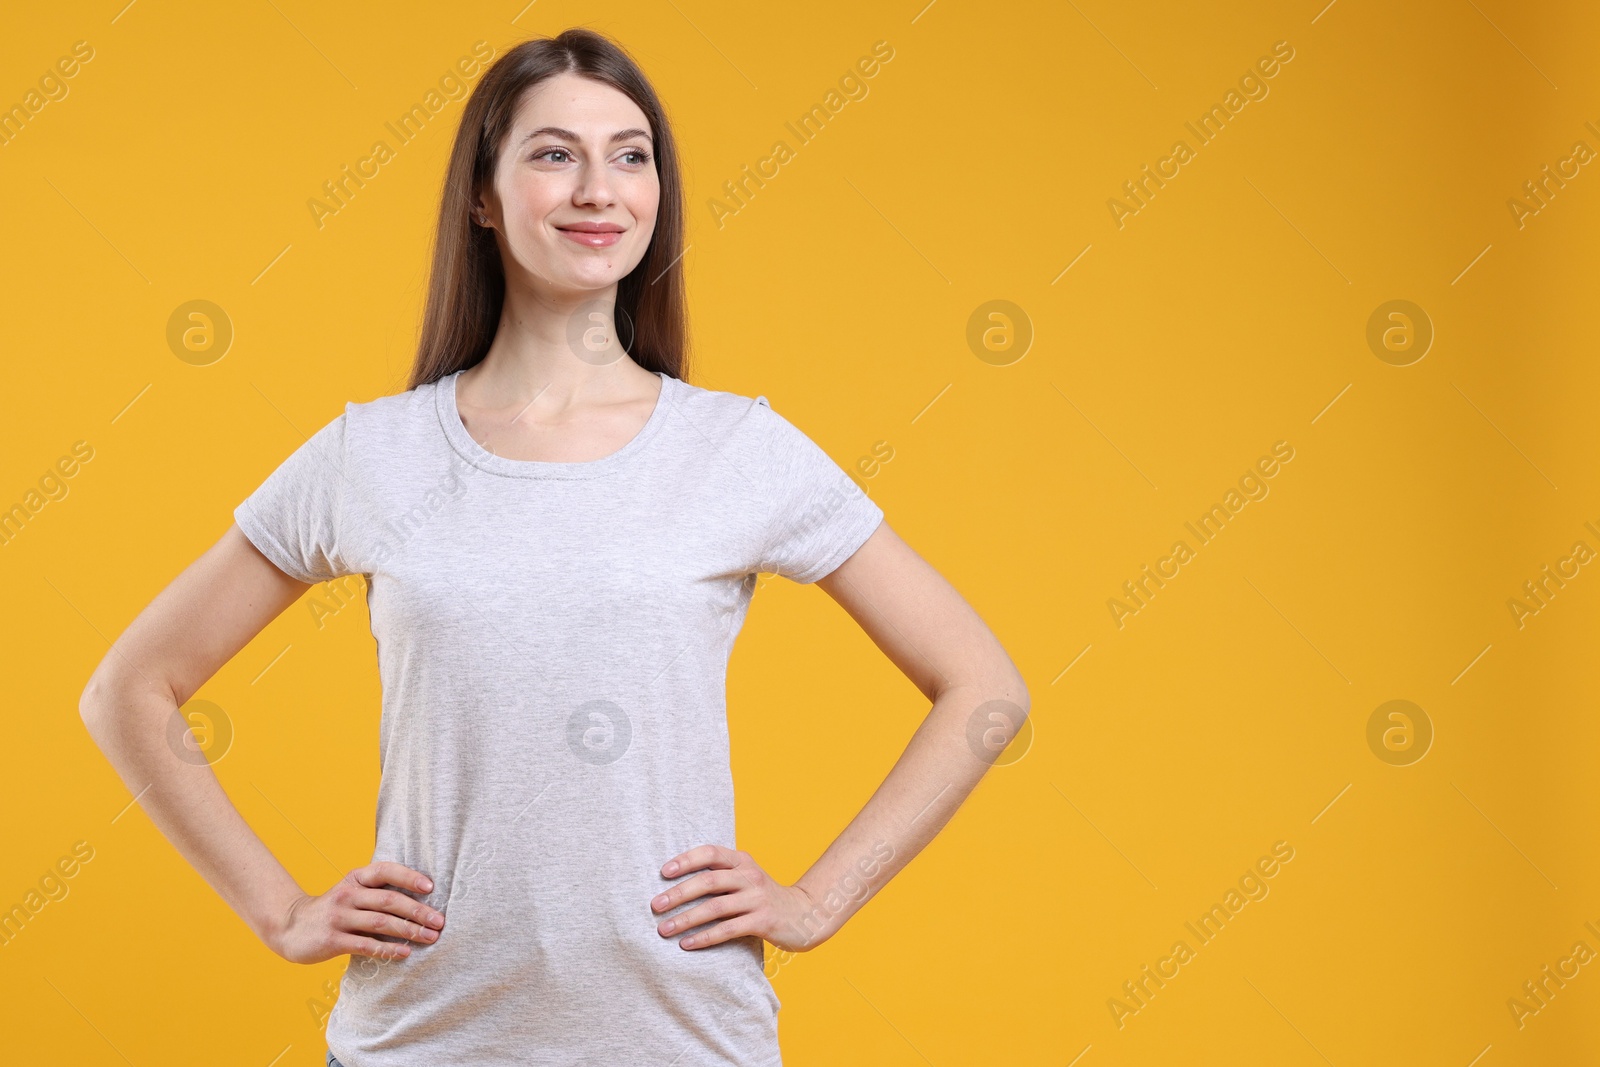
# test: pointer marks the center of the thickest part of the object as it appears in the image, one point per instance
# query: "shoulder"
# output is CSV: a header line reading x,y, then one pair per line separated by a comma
x,y
385,421
738,419
392,407
730,419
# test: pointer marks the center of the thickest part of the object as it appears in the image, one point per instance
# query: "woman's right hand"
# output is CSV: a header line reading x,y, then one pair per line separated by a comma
x,y
340,921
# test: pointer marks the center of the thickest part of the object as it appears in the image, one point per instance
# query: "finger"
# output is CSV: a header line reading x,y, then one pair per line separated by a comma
x,y
716,881
381,922
366,946
387,872
740,867
741,926
714,908
699,857
397,904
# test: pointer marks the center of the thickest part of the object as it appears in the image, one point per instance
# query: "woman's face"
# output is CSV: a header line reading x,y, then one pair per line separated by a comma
x,y
575,190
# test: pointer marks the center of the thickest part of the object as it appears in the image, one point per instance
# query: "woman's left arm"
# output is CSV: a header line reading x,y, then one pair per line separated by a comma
x,y
933,635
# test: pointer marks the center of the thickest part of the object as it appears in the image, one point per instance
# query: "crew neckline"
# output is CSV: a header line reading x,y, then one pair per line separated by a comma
x,y
455,431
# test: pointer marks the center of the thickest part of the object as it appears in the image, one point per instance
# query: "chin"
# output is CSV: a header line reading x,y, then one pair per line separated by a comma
x,y
586,286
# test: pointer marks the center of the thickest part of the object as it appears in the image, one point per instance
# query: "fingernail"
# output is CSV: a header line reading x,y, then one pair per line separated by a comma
x,y
671,868
660,901
427,885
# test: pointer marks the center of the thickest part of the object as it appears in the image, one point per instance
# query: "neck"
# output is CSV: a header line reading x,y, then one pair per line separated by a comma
x,y
562,349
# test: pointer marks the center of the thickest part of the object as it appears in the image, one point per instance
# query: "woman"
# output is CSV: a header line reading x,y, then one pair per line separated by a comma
x,y
561,537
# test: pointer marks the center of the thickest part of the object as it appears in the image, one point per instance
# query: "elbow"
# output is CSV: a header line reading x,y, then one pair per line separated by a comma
x,y
92,701
1004,685
101,696
1002,681
1008,685
120,697
1019,689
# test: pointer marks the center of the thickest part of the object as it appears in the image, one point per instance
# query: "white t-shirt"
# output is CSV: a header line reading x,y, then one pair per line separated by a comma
x,y
553,641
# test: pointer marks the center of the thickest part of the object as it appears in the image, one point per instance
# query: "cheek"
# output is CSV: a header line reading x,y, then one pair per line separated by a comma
x,y
643,199
644,211
531,196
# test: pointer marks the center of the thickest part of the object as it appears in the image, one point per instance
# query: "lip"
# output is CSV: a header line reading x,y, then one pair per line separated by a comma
x,y
592,234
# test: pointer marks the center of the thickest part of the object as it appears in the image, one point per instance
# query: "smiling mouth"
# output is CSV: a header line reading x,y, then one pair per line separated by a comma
x,y
592,238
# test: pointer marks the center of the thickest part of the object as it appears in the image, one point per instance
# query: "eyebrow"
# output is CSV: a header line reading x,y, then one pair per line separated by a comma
x,y
568,135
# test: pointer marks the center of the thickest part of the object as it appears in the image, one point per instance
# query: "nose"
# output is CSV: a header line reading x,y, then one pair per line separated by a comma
x,y
594,187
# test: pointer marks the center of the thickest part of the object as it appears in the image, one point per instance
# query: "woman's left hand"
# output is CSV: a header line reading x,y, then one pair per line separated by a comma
x,y
746,899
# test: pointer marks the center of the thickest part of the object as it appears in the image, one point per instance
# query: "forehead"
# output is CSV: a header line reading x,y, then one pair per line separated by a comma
x,y
593,110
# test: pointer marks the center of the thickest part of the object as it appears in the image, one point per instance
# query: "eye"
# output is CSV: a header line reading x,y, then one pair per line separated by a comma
x,y
643,156
547,151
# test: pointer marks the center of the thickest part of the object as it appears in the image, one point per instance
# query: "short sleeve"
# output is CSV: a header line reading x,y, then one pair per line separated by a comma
x,y
294,516
818,516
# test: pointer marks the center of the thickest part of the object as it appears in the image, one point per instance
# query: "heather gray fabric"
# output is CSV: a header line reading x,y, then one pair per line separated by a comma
x,y
552,643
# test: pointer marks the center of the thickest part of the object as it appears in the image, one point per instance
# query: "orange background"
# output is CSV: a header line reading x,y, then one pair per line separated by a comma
x,y
1167,754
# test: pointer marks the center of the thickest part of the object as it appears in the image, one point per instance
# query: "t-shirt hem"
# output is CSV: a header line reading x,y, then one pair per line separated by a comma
x,y
868,516
775,1060
259,535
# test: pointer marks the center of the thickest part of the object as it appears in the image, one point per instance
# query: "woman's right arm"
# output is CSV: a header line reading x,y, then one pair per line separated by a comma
x,y
194,626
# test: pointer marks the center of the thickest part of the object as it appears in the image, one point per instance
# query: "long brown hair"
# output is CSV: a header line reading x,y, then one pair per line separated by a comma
x,y
466,286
